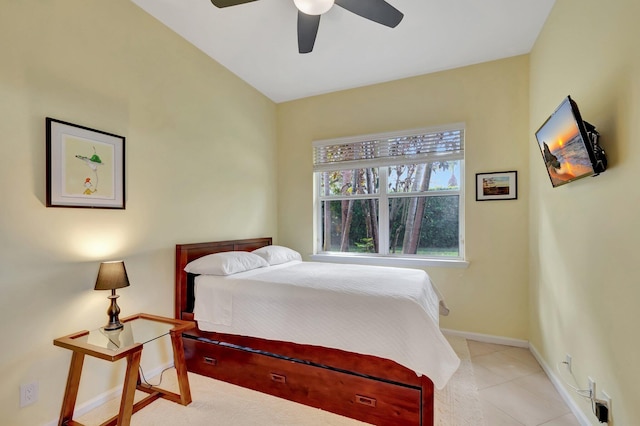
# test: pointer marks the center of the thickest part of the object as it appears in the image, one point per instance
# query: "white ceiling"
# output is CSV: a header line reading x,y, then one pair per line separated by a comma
x,y
257,41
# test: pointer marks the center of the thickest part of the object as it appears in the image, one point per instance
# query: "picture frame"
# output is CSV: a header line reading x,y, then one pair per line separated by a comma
x,y
497,186
85,167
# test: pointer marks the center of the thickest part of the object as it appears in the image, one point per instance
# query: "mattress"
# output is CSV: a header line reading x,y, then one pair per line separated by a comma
x,y
387,312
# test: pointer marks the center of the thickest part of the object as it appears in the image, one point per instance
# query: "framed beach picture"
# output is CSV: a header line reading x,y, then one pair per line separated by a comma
x,y
85,167
496,186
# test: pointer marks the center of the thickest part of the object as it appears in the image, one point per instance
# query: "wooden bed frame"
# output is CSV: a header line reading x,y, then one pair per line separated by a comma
x,y
367,388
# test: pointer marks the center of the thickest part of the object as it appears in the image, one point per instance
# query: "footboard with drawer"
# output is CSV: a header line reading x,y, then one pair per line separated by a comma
x,y
335,386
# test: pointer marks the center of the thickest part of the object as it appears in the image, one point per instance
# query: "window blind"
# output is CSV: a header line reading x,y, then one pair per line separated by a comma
x,y
426,145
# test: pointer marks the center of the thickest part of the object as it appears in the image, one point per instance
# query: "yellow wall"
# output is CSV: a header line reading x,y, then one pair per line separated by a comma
x,y
584,236
200,166
491,295
201,143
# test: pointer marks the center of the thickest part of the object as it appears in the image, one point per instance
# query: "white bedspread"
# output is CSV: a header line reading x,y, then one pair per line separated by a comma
x,y
386,312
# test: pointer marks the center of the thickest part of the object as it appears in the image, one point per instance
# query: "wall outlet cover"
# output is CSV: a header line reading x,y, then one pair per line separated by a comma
x,y
28,393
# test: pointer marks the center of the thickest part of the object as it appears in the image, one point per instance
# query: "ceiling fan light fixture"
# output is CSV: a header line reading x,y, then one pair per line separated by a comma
x,y
314,7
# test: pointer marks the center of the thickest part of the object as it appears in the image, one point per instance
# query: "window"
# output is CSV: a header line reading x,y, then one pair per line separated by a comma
x,y
391,195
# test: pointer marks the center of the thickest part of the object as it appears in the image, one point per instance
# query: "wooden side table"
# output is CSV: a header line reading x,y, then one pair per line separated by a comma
x,y
125,343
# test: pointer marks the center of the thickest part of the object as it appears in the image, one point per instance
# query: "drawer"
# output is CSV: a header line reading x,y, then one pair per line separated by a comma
x,y
241,367
351,395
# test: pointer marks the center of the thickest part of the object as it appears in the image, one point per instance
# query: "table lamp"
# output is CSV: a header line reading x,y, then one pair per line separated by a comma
x,y
112,275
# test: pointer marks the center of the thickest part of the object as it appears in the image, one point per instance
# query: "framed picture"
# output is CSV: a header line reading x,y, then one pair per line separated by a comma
x,y
85,167
496,186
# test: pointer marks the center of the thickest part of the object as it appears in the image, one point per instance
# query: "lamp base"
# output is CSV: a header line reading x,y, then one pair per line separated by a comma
x,y
113,312
113,326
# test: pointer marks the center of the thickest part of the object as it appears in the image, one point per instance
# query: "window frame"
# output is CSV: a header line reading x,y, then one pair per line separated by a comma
x,y
383,257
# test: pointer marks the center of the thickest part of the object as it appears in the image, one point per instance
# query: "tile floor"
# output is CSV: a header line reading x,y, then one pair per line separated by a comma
x,y
514,390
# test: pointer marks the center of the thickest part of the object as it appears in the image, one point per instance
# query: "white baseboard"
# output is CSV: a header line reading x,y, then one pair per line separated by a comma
x,y
106,396
487,338
557,383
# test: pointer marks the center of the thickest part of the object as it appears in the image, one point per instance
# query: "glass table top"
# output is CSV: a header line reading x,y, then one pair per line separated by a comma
x,y
139,330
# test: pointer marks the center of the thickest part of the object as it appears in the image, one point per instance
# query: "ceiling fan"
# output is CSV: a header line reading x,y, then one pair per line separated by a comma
x,y
309,12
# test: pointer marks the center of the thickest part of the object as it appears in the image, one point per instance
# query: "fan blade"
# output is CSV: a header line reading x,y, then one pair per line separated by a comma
x,y
307,30
227,3
375,10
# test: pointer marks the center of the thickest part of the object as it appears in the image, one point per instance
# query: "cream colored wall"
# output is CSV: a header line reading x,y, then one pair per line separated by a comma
x,y
200,165
199,139
491,295
584,236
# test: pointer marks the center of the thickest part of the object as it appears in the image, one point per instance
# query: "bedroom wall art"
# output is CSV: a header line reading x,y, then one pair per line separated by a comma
x,y
85,167
497,186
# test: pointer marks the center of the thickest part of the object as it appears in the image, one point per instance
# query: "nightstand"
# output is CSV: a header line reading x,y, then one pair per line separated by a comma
x,y
125,343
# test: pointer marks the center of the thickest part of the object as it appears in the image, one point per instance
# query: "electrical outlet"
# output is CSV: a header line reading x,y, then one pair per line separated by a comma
x,y
567,361
592,388
603,408
28,394
606,399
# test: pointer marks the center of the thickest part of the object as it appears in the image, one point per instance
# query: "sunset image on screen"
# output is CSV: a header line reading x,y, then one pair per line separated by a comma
x,y
563,148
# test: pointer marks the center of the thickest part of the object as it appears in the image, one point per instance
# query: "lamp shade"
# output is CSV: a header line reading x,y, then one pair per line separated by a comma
x,y
112,275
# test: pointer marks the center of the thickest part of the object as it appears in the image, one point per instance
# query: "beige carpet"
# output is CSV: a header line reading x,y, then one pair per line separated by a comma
x,y
458,403
217,403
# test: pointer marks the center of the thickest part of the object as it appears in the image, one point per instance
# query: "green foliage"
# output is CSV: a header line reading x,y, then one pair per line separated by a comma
x,y
365,245
438,227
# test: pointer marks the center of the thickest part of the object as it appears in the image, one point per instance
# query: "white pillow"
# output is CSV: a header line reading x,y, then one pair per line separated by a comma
x,y
276,255
225,263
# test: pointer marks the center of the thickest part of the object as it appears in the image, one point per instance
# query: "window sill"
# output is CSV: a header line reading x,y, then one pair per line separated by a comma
x,y
389,260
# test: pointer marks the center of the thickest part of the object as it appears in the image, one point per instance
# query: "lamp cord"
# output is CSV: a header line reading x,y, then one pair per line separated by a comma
x,y
146,382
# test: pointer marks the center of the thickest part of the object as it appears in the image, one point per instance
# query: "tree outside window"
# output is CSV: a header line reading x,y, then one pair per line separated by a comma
x,y
396,209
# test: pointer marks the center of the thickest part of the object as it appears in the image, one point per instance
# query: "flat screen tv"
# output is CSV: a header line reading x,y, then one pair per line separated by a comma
x,y
569,146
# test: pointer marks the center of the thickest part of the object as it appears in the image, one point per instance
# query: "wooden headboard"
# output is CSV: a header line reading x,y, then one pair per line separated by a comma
x,y
185,253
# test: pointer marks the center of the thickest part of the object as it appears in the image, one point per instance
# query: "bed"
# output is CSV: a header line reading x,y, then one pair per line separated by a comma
x,y
362,376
